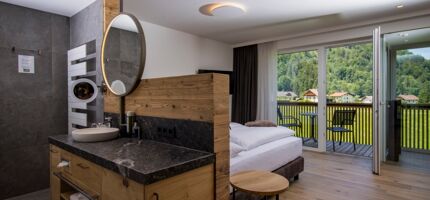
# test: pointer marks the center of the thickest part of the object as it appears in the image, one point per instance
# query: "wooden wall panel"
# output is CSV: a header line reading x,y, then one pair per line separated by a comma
x,y
221,121
183,97
111,8
203,97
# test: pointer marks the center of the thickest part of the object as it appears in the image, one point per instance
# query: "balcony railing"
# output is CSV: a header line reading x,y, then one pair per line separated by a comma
x,y
415,122
415,133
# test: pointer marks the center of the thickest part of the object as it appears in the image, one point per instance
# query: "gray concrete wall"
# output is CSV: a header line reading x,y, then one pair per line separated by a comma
x,y
32,106
86,26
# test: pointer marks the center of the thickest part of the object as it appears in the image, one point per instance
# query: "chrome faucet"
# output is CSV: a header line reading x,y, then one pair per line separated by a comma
x,y
108,121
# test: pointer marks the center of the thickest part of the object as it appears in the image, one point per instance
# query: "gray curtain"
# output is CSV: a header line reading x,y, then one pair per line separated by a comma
x,y
267,83
245,70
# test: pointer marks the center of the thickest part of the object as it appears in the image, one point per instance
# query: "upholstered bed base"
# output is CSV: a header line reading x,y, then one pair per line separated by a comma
x,y
290,171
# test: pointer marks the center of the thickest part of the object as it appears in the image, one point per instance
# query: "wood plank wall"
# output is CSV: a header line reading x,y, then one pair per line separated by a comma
x,y
111,8
202,97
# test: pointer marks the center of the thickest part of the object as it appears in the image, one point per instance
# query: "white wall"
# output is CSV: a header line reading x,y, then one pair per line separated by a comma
x,y
174,53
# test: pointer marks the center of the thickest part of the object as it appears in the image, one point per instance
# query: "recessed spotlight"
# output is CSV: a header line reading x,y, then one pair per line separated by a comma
x,y
226,9
400,6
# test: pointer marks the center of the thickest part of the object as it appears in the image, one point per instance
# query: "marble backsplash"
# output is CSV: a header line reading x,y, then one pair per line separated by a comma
x,y
187,133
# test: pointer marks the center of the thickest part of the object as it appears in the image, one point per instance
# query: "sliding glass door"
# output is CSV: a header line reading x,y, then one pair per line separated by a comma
x,y
299,96
349,99
333,94
379,87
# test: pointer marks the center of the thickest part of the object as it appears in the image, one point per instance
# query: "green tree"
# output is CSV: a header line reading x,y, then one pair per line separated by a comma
x,y
349,69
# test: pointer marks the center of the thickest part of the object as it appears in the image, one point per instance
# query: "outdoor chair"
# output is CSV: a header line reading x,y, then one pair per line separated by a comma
x,y
342,118
289,121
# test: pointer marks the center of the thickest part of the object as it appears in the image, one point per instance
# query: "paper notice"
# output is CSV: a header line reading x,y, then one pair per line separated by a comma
x,y
25,64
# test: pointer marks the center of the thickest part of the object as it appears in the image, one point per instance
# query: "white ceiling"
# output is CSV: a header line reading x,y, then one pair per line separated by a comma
x,y
266,18
62,7
263,19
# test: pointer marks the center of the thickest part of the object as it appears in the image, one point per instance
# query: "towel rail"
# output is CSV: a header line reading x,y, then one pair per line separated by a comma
x,y
76,187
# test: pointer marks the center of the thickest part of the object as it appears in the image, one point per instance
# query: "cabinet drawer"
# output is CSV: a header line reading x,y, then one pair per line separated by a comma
x,y
55,157
197,184
87,173
66,156
115,187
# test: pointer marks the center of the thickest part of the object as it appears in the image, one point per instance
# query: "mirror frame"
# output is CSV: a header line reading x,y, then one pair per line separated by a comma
x,y
142,54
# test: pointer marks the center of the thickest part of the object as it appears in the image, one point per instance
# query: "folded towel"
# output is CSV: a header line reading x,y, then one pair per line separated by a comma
x,y
78,196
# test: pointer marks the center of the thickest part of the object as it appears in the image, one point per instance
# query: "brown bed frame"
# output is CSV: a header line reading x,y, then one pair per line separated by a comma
x,y
290,171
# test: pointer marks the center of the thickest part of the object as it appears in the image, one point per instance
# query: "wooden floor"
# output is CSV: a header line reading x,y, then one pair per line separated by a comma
x,y
344,148
414,160
348,148
333,176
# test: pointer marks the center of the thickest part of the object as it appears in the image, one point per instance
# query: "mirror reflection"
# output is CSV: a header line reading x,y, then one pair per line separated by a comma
x,y
123,54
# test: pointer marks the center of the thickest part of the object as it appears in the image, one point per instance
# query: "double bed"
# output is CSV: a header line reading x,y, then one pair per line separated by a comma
x,y
265,148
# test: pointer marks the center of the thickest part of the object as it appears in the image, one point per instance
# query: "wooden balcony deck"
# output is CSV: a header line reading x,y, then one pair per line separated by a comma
x,y
346,148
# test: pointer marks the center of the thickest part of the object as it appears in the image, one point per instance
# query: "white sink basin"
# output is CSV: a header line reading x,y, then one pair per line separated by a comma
x,y
94,134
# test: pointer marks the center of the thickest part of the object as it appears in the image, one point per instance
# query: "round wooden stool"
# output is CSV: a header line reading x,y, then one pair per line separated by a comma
x,y
261,183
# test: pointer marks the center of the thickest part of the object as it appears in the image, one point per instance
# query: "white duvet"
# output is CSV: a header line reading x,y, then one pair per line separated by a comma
x,y
251,137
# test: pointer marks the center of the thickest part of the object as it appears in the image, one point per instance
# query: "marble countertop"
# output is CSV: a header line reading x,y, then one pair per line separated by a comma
x,y
144,161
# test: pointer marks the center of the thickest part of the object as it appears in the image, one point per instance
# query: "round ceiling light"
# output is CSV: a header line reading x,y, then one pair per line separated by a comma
x,y
226,9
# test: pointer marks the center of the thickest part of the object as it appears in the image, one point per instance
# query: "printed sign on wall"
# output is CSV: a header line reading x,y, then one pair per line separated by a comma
x,y
26,64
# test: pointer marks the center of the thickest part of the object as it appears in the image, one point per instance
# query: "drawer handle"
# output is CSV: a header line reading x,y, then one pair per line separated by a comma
x,y
53,151
125,182
156,196
82,166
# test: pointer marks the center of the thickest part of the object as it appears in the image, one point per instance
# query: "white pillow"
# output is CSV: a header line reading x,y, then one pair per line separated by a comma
x,y
251,137
235,149
234,125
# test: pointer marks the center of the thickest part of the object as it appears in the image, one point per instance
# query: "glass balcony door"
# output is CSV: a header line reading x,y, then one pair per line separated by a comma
x,y
299,107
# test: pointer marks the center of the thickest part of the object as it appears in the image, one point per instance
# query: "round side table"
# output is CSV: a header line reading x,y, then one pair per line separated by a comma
x,y
260,183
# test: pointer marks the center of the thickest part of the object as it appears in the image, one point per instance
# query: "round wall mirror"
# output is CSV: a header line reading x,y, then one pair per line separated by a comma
x,y
123,54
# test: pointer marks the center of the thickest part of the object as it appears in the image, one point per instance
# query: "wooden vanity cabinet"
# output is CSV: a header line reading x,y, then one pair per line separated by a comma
x,y
196,184
87,174
53,180
115,187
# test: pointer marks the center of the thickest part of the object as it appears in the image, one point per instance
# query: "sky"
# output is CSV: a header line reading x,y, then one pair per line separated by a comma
x,y
425,52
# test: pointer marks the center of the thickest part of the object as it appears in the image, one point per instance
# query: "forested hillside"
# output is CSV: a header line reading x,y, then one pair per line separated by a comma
x,y
413,75
349,69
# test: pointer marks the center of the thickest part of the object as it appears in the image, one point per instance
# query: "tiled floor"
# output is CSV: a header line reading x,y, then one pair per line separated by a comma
x,y
39,195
